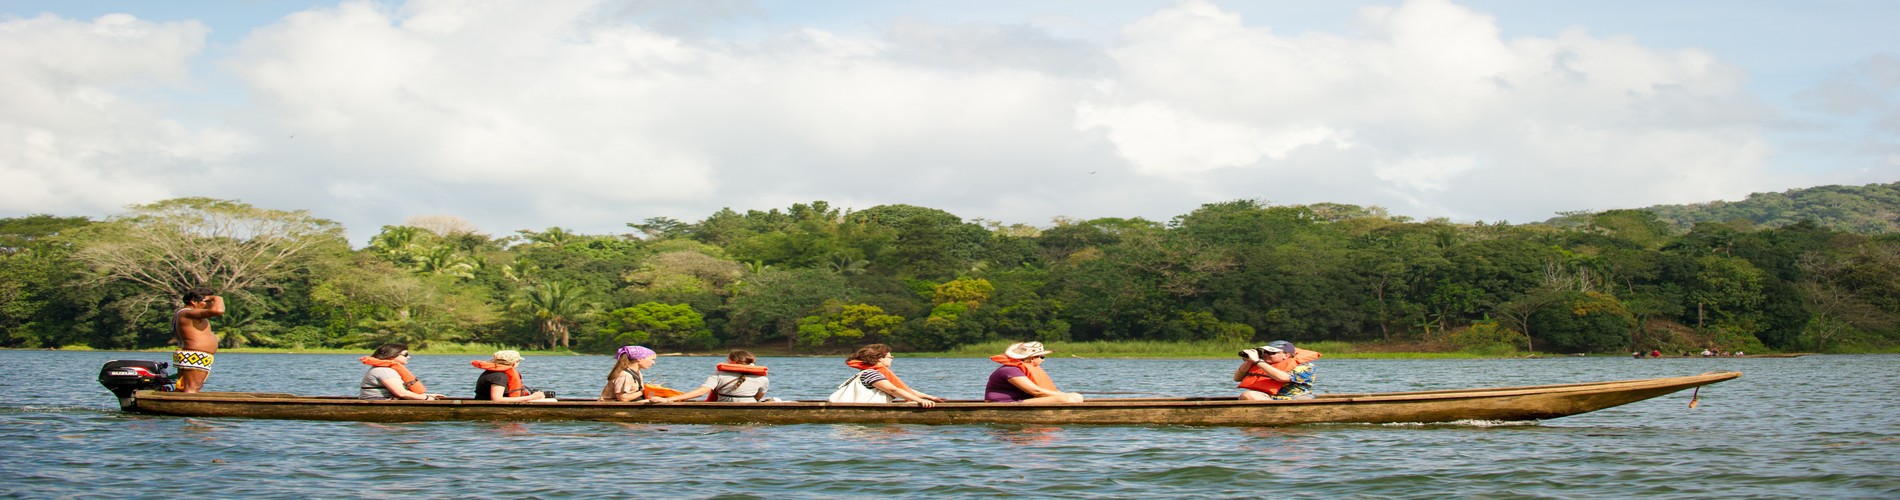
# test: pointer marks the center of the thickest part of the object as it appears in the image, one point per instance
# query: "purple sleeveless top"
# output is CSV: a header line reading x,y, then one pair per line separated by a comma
x,y
999,390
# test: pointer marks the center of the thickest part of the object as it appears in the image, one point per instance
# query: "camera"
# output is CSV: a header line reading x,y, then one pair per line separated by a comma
x,y
547,394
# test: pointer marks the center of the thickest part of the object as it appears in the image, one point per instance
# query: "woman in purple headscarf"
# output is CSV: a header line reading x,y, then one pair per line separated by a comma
x,y
625,382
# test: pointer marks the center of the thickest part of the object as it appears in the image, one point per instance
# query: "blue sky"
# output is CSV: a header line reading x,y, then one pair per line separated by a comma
x,y
589,115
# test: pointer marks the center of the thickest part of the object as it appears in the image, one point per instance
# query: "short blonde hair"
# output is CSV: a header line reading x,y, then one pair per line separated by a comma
x,y
508,356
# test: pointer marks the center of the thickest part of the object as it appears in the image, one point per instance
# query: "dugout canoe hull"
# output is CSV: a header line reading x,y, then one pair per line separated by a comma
x,y
1499,404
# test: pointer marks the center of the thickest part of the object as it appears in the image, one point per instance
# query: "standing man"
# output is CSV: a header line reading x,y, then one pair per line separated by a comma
x,y
191,328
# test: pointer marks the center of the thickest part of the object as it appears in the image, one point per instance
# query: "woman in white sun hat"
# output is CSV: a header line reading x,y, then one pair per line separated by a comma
x,y
1021,379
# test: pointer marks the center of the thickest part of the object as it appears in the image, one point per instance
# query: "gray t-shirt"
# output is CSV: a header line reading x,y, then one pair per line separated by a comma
x,y
372,386
741,392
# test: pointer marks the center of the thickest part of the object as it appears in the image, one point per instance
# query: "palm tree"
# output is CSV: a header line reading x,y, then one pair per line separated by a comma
x,y
846,265
520,270
396,242
556,307
403,325
554,237
443,259
243,326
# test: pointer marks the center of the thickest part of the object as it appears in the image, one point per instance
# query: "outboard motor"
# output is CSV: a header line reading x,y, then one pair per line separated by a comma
x,y
123,377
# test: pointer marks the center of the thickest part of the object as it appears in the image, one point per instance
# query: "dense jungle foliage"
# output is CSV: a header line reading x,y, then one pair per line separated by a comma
x,y
820,278
1871,209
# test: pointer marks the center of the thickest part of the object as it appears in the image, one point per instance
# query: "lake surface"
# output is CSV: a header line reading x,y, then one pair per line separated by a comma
x,y
1826,426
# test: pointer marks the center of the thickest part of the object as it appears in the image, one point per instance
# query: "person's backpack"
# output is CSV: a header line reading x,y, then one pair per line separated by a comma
x,y
854,391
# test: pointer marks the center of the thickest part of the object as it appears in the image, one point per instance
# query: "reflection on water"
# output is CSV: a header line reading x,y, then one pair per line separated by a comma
x,y
1832,438
1010,435
871,435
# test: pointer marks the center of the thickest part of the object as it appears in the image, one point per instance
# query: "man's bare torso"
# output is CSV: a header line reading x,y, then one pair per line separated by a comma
x,y
194,334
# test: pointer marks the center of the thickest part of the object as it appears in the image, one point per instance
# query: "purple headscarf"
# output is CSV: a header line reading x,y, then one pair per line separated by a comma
x,y
636,353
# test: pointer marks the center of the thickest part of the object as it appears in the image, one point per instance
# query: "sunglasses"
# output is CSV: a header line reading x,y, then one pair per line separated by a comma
x,y
404,353
1041,357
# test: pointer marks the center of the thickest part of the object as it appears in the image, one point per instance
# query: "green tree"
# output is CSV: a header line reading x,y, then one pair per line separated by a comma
x,y
1584,322
667,325
969,292
1034,318
231,247
373,302
555,308
1489,338
1202,325
948,325
1727,291
849,322
770,303
35,270
661,228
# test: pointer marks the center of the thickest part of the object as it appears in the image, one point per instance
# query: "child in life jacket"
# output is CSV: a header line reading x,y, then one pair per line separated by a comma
x,y
501,379
737,380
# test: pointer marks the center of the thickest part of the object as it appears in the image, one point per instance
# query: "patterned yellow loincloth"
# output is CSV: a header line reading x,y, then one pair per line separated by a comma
x,y
192,360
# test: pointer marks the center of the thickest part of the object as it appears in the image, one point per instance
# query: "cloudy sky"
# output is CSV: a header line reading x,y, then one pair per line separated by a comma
x,y
592,114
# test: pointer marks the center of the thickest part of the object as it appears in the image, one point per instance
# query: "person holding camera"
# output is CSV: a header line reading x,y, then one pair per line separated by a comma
x,y
1276,371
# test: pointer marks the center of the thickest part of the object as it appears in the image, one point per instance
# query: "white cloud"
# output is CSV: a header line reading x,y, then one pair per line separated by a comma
x,y
1425,173
1428,88
580,114
77,133
1164,142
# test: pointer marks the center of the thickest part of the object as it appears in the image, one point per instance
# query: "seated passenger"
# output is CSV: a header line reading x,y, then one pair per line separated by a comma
x,y
501,380
1276,371
1021,379
735,381
626,380
875,354
389,377
871,385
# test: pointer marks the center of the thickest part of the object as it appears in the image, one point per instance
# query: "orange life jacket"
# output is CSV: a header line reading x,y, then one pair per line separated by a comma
x,y
738,368
861,366
656,391
742,370
409,381
1035,373
1257,379
514,377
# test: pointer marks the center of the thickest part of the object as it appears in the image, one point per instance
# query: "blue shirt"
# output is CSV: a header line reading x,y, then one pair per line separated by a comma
x,y
1299,382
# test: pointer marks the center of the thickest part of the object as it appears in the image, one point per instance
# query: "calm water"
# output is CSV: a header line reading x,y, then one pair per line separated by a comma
x,y
1811,426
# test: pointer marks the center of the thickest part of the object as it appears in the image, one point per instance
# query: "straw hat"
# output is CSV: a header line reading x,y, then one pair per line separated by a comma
x,y
1026,350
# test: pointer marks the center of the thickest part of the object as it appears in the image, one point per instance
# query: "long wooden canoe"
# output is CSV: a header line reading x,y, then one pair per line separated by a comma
x,y
1497,404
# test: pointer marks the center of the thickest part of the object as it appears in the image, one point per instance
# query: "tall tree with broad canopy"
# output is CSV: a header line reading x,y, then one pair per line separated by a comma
x,y
229,246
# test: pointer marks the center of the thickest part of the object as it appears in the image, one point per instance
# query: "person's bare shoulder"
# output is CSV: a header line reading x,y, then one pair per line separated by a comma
x,y
199,313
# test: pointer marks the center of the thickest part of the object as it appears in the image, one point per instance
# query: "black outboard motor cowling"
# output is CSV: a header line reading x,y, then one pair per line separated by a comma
x,y
123,377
